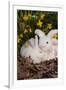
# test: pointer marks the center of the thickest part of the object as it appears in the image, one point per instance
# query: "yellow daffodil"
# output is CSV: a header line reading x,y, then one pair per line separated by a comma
x,y
27,44
21,35
49,26
25,31
42,16
18,40
30,30
25,17
29,15
39,23
55,36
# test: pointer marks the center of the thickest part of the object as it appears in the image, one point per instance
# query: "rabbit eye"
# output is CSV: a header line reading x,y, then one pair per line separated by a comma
x,y
47,42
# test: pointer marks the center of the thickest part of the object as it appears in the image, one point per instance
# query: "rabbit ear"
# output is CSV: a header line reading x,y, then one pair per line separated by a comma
x,y
39,33
52,33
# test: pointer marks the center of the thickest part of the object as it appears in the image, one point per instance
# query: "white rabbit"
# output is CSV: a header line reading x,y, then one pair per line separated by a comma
x,y
31,49
47,44
40,50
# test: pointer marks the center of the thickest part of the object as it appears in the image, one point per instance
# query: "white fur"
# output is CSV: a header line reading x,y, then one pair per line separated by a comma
x,y
40,50
48,45
32,51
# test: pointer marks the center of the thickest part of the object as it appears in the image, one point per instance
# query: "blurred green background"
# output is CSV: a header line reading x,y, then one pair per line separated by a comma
x,y
28,21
